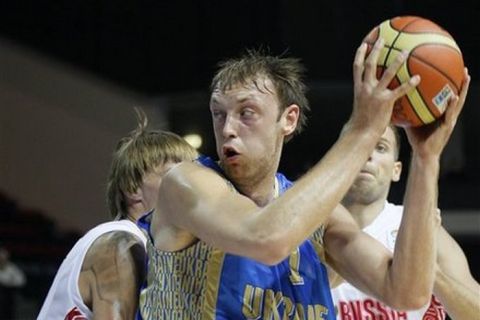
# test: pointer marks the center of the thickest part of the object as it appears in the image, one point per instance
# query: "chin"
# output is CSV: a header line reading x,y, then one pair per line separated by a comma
x,y
238,174
232,171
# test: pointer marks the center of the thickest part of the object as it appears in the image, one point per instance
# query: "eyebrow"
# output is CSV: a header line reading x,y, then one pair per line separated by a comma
x,y
385,140
246,98
239,100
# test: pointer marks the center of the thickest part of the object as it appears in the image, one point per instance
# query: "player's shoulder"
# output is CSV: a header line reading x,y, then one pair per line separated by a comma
x,y
188,170
188,176
117,231
123,225
112,243
112,232
116,239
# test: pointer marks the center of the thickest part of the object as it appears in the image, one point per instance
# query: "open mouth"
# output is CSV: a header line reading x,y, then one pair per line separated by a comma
x,y
229,152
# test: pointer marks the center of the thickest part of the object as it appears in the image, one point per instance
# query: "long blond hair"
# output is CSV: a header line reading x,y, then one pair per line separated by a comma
x,y
135,155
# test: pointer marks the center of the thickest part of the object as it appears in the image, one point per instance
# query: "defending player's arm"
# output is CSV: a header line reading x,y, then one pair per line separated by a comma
x,y
369,266
454,285
198,202
412,268
111,275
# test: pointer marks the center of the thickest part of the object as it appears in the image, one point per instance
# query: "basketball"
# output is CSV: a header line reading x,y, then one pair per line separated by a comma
x,y
433,54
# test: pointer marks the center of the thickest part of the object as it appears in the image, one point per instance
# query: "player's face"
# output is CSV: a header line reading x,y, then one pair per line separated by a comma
x,y
373,181
151,184
248,130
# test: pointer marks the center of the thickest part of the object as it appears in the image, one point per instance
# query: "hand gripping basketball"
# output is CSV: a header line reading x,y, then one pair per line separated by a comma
x,y
433,54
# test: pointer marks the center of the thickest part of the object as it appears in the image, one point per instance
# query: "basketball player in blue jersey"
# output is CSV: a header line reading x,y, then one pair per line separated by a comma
x,y
455,289
239,245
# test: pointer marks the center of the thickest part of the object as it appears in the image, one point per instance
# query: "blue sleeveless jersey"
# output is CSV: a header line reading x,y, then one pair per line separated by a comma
x,y
241,288
298,286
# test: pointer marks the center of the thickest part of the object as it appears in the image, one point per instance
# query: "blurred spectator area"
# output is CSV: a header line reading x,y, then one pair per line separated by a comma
x,y
35,244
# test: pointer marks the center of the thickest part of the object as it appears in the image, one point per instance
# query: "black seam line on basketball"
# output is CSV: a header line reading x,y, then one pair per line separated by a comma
x,y
421,97
415,110
431,65
410,101
408,69
389,49
408,98
398,35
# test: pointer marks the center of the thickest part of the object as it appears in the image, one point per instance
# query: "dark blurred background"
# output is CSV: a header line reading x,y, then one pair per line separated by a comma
x,y
71,71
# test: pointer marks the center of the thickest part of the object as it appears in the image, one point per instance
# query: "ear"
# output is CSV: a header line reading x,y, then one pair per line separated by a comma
x,y
290,119
134,197
397,170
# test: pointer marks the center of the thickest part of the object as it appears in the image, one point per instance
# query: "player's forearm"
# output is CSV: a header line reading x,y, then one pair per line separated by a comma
x,y
460,302
301,210
412,270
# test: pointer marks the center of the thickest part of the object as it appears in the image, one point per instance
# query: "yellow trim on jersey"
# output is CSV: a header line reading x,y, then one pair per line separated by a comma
x,y
212,284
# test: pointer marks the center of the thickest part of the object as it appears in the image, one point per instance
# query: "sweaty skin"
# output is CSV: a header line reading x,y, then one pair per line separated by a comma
x,y
113,256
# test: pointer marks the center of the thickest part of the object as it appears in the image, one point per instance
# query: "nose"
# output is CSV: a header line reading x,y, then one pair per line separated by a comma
x,y
229,127
370,158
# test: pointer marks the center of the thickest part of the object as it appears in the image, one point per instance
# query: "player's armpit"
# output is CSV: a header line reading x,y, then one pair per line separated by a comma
x,y
111,275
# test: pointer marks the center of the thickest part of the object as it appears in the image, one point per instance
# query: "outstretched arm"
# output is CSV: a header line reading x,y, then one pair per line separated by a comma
x,y
454,285
406,281
111,275
197,202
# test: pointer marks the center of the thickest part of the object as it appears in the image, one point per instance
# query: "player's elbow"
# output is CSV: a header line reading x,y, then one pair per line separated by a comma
x,y
270,254
420,299
273,255
270,249
410,303
409,300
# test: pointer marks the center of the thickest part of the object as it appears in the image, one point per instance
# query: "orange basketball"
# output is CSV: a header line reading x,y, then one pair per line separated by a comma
x,y
433,54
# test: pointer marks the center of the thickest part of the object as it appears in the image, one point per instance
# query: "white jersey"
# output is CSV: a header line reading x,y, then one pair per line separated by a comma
x,y
63,301
352,304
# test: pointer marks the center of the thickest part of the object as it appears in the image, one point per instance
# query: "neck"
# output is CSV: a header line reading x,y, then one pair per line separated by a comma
x,y
135,212
364,213
260,187
262,192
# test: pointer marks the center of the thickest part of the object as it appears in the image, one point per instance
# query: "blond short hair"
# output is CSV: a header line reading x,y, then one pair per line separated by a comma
x,y
286,75
137,154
